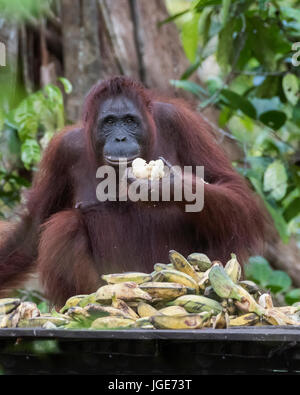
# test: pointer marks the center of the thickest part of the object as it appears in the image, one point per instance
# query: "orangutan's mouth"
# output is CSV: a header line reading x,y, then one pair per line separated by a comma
x,y
119,161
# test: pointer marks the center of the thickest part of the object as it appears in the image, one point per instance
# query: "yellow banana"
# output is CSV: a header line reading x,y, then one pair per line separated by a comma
x,y
173,310
185,321
112,323
276,317
72,302
265,300
128,291
146,310
220,321
233,269
182,265
123,306
40,321
143,323
175,276
162,266
165,291
96,311
245,320
135,277
8,304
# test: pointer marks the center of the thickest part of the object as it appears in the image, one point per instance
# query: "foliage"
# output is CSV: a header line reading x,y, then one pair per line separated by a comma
x,y
31,295
277,282
24,10
24,132
243,53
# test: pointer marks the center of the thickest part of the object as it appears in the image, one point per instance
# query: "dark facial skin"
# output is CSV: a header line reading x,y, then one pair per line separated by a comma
x,y
121,132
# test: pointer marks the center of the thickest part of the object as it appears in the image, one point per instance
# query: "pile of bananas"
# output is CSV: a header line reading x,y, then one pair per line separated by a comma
x,y
190,293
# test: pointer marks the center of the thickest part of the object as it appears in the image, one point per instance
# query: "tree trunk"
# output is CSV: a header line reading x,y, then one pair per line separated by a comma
x,y
102,38
81,51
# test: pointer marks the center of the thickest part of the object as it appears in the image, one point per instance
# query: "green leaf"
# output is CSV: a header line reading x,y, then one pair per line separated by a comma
x,y
267,41
224,116
265,105
67,84
204,25
258,270
278,218
2,117
43,307
54,94
279,281
190,70
292,296
290,86
259,165
237,101
172,17
190,36
225,46
190,87
273,119
200,4
292,210
225,11
269,88
275,180
28,128
30,153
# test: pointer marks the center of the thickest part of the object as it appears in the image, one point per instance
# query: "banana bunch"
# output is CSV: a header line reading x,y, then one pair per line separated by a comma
x,y
186,293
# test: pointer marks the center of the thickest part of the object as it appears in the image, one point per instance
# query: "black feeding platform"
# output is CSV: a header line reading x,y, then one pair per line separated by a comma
x,y
240,350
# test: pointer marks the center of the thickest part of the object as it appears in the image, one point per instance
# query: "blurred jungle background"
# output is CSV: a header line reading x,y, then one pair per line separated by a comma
x,y
236,61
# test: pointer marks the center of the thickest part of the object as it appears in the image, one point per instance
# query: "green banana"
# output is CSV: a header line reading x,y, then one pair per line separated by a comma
x,y
197,304
226,288
200,260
